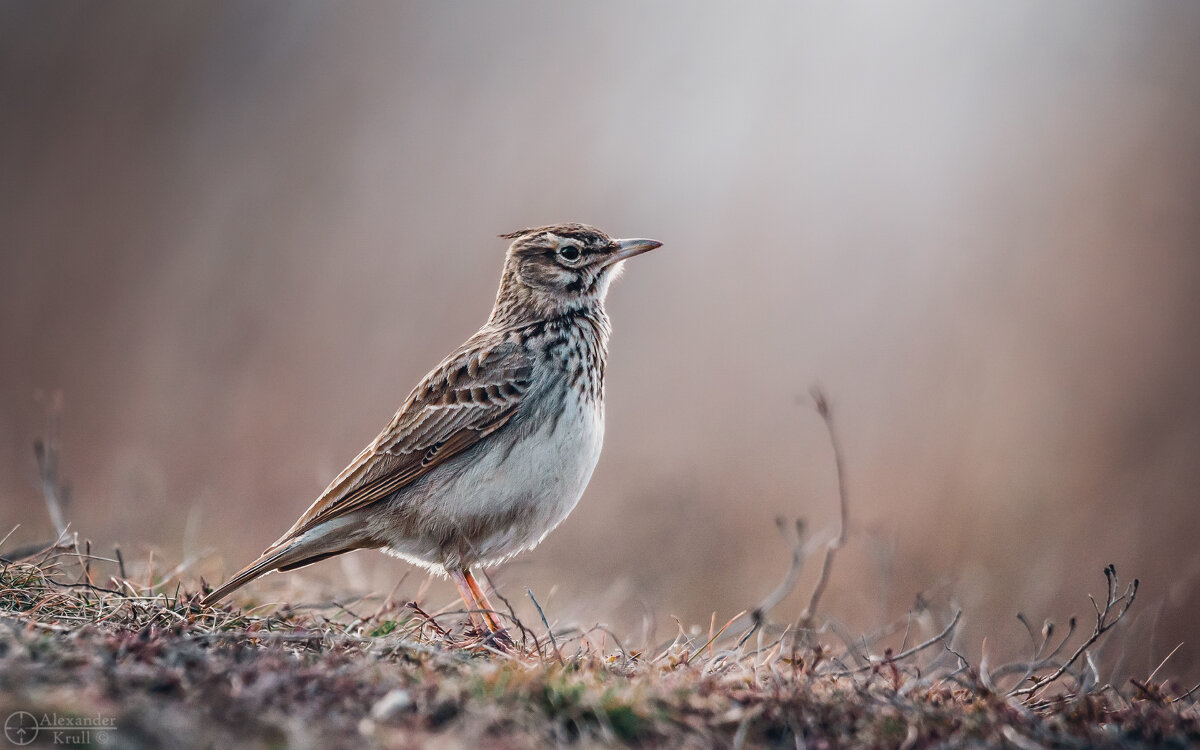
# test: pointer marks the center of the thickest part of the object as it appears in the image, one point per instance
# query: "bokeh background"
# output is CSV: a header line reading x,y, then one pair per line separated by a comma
x,y
234,235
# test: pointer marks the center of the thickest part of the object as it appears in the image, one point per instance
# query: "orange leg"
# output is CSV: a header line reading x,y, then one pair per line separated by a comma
x,y
489,613
467,593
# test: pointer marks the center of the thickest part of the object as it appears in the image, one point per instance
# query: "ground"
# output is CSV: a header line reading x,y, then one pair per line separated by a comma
x,y
109,662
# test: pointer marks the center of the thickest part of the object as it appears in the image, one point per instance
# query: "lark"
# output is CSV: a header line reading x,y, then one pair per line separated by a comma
x,y
494,447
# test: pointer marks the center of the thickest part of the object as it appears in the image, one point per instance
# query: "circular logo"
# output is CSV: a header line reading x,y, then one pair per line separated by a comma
x,y
21,727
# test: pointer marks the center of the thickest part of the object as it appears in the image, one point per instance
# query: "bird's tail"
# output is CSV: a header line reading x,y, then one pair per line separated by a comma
x,y
287,554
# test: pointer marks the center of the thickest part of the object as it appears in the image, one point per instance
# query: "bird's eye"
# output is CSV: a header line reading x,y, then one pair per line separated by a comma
x,y
569,253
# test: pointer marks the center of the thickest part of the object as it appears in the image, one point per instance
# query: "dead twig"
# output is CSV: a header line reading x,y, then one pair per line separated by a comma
x,y
1186,695
1103,624
823,409
758,615
55,492
549,631
425,616
907,653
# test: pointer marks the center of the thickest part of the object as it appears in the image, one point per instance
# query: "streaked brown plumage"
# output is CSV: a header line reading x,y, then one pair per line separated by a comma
x,y
496,444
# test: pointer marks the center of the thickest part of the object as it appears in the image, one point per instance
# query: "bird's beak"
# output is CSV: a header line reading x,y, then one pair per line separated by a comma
x,y
630,248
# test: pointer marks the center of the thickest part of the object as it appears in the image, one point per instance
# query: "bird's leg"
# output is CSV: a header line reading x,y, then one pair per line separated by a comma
x,y
474,608
489,613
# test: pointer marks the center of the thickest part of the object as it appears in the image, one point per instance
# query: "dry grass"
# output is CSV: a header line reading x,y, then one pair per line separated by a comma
x,y
379,673
80,640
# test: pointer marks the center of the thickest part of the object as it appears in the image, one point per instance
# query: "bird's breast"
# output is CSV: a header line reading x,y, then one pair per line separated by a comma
x,y
504,495
550,458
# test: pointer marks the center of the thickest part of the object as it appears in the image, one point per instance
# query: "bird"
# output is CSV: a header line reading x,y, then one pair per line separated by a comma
x,y
494,447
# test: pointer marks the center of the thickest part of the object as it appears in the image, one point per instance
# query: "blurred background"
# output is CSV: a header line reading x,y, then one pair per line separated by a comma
x,y
233,236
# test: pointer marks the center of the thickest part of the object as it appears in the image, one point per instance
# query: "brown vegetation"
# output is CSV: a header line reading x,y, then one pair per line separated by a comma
x,y
377,672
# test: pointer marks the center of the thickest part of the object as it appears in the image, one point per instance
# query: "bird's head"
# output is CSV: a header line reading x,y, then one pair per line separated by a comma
x,y
560,268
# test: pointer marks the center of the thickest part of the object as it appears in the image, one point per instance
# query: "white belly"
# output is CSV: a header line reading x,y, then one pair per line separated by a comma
x,y
506,498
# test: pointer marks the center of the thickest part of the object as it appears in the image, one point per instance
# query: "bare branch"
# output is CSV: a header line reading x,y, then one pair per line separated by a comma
x,y
54,492
823,408
1103,624
905,654
758,615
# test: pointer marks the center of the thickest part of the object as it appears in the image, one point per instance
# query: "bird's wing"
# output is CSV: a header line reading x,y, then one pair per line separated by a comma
x,y
471,394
